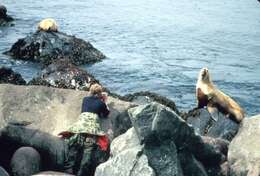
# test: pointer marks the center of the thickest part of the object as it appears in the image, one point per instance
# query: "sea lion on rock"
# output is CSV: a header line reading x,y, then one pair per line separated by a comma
x,y
48,25
209,95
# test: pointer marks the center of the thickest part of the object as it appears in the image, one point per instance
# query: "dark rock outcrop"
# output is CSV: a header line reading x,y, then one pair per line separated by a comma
x,y
4,18
204,125
45,47
145,97
155,124
25,161
7,75
63,74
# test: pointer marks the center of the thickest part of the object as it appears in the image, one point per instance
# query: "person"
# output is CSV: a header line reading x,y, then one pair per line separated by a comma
x,y
88,145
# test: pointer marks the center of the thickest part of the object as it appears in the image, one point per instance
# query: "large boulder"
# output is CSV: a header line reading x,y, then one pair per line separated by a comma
x,y
7,75
25,161
127,158
45,47
204,124
5,19
63,74
244,150
157,126
52,110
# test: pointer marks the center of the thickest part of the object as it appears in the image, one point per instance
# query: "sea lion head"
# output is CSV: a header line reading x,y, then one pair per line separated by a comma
x,y
204,75
48,24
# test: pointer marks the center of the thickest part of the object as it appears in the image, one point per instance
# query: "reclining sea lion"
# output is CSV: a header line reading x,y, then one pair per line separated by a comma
x,y
209,95
48,25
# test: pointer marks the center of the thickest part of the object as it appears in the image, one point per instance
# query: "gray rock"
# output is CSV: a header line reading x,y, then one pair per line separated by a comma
x,y
63,74
127,158
25,161
52,110
154,122
45,47
204,125
3,172
244,150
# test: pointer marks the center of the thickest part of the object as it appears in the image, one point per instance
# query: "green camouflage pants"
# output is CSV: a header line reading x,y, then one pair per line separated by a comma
x,y
84,155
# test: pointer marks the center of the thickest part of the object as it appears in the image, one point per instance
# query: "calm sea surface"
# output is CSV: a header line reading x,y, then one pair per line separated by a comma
x,y
156,45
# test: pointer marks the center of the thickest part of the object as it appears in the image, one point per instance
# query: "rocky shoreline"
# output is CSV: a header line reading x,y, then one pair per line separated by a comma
x,y
202,146
150,136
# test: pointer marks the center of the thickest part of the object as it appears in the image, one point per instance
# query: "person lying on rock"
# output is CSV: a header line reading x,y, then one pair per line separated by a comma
x,y
88,145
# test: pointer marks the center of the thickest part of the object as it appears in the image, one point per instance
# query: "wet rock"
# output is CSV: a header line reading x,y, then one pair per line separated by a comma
x,y
25,161
45,47
244,149
145,97
63,74
4,18
204,125
7,75
3,172
127,158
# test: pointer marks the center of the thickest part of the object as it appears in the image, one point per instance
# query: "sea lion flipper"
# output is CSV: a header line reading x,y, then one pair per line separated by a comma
x,y
213,112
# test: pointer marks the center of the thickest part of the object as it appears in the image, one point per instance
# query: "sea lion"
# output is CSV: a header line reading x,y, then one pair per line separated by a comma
x,y
209,95
48,25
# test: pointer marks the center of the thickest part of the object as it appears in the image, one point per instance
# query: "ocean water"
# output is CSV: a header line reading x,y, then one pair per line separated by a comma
x,y
155,45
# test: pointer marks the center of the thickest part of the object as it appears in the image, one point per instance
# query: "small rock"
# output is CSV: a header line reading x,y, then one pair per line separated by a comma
x,y
25,161
45,47
7,75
